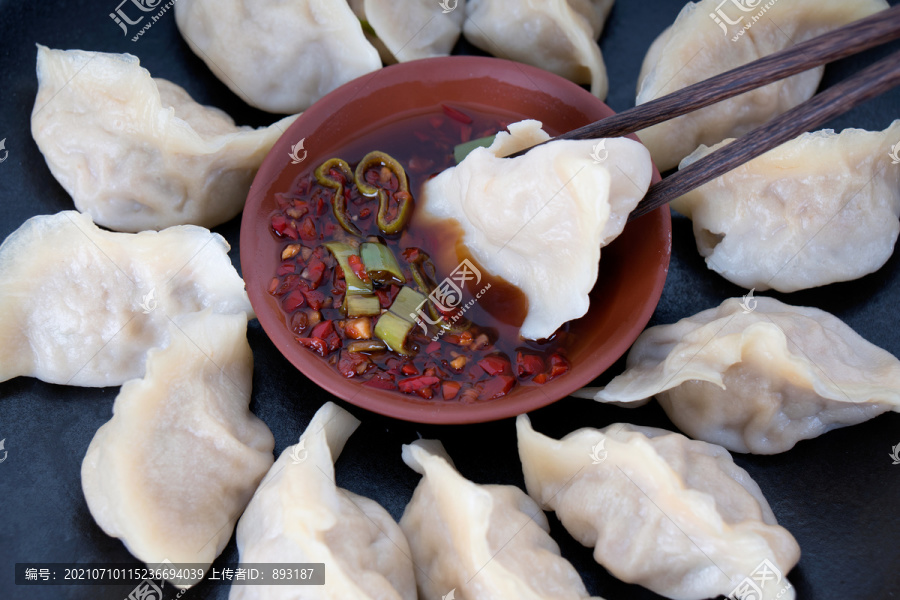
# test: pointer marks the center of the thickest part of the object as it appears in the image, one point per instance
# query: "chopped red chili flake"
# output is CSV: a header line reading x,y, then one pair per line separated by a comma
x,y
558,366
409,369
293,301
286,269
432,347
494,365
352,364
322,330
540,378
289,283
308,229
382,381
412,384
386,296
315,344
315,298
283,228
412,254
450,389
456,115
314,272
359,269
337,175
496,387
528,364
334,342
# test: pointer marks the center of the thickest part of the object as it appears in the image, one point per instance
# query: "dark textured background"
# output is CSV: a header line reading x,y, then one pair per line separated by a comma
x,y
837,494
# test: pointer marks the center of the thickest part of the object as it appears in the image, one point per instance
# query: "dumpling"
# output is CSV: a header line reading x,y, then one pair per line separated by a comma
x,y
556,35
299,515
136,152
172,470
821,208
540,220
412,29
278,56
701,44
82,306
759,375
480,541
674,515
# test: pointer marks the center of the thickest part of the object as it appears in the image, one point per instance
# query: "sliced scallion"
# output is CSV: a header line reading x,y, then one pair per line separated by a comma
x,y
381,265
392,330
360,305
462,150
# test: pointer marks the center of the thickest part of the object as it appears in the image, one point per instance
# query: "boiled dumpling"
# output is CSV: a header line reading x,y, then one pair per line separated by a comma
x,y
138,153
695,48
82,306
299,515
556,35
821,208
412,29
540,220
674,515
759,375
278,56
480,541
172,470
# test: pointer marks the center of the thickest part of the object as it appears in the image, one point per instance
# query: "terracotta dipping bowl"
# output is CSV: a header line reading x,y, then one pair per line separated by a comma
x,y
632,269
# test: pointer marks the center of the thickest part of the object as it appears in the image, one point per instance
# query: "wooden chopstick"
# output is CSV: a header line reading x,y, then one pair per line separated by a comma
x,y
868,83
851,39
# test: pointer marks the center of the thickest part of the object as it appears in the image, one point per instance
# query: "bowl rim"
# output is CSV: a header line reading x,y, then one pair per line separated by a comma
x,y
391,403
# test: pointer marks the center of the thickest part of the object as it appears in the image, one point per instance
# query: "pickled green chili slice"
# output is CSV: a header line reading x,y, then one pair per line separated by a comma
x,y
381,264
335,173
376,159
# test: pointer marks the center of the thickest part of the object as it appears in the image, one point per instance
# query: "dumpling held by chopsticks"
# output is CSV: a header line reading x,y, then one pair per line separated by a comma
x,y
540,220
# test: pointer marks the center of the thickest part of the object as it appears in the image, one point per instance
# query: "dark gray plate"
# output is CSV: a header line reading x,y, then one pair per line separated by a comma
x,y
837,494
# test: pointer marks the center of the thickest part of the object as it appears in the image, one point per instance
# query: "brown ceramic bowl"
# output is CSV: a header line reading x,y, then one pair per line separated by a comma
x,y
632,271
